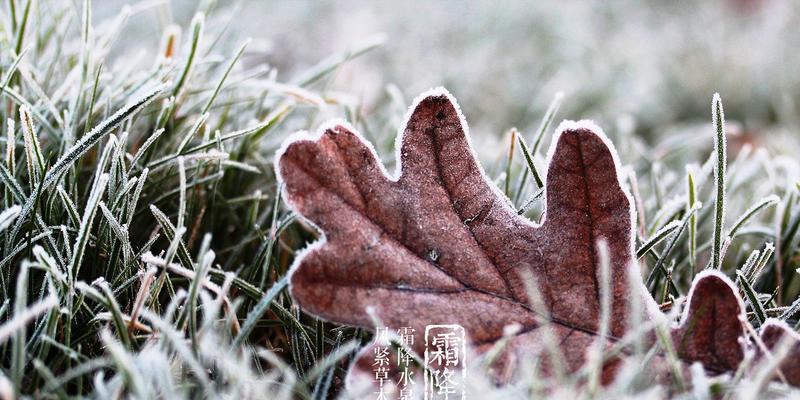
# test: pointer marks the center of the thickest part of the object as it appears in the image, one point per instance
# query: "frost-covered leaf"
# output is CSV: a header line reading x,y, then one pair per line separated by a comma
x,y
772,333
439,244
712,330
711,327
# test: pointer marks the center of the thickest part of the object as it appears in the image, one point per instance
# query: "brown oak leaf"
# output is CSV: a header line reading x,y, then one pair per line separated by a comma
x,y
772,332
437,243
712,330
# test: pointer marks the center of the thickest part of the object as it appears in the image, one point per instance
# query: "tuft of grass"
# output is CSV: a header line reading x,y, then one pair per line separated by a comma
x,y
118,180
145,245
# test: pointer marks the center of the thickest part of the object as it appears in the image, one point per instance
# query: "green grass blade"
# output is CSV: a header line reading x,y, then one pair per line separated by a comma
x,y
197,33
752,297
78,251
259,309
760,205
658,237
221,82
659,267
529,160
718,117
691,199
97,133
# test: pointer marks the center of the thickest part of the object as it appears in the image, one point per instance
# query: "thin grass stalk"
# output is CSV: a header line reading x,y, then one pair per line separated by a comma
x,y
718,117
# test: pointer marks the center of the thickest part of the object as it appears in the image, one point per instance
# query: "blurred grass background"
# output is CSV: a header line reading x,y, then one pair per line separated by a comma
x,y
653,63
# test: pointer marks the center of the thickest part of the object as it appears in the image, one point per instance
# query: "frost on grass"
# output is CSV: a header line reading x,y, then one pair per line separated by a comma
x,y
125,272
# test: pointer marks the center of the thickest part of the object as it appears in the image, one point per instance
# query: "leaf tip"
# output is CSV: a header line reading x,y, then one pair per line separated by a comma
x,y
569,125
437,98
712,280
